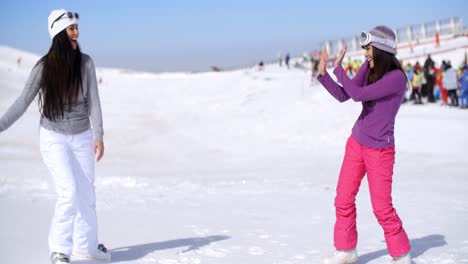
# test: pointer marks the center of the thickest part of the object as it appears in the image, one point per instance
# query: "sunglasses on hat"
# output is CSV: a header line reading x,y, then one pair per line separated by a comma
x,y
367,38
70,15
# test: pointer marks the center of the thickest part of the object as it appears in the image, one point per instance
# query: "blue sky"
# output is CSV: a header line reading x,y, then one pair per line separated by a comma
x,y
175,35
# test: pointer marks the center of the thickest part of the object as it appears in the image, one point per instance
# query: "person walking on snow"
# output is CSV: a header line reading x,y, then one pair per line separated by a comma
x,y
380,85
450,82
65,80
286,60
439,73
430,79
464,87
416,84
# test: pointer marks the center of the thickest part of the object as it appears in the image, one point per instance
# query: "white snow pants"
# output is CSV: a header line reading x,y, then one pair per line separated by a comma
x,y
70,160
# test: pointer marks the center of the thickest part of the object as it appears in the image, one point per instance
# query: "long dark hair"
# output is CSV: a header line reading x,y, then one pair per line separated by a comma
x,y
383,62
61,77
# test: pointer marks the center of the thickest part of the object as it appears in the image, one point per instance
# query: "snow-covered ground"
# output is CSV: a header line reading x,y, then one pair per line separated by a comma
x,y
234,167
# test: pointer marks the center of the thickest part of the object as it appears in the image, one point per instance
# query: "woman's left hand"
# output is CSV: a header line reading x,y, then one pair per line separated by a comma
x,y
323,62
98,149
339,58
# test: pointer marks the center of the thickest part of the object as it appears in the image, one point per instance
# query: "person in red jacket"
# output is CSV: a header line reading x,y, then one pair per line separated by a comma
x,y
439,81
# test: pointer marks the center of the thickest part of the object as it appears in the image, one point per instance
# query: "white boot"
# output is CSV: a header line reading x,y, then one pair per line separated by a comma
x,y
341,257
403,259
101,254
59,258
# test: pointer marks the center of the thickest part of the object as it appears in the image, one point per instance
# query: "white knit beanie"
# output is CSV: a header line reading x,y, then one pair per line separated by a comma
x,y
59,20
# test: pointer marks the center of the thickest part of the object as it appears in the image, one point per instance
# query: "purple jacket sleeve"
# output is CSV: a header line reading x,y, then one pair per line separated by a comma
x,y
332,87
390,83
361,76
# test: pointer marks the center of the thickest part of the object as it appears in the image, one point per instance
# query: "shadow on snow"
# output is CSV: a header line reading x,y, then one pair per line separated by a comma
x,y
418,247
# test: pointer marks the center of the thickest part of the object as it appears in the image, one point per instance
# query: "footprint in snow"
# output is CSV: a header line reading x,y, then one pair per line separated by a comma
x,y
264,236
214,252
168,261
256,251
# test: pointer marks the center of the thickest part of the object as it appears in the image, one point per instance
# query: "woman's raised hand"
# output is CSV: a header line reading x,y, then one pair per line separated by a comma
x,y
341,55
323,62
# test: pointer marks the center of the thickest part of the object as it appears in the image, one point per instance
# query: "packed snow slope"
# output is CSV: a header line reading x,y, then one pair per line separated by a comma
x,y
235,167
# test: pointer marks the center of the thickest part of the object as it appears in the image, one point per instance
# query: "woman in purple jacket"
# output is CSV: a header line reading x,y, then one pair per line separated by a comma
x,y
380,86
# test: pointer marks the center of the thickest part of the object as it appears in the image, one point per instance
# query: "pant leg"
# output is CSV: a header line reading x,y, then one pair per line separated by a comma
x,y
85,224
464,98
418,95
379,166
412,95
444,94
456,97
58,158
423,90
351,174
430,92
451,95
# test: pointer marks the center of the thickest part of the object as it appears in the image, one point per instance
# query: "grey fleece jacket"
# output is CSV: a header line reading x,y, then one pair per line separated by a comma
x,y
73,122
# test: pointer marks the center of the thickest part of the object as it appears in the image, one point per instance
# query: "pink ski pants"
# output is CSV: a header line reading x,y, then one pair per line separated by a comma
x,y
378,164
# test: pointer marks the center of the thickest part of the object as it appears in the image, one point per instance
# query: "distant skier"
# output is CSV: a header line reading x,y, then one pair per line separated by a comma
x,y
430,79
464,87
280,59
380,85
305,58
286,60
314,67
260,65
65,80
451,84
439,77
416,84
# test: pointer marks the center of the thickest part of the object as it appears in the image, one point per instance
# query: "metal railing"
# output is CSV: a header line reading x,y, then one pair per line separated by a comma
x,y
411,34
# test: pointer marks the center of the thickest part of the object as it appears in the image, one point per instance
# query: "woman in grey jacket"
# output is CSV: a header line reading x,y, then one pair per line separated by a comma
x,y
71,137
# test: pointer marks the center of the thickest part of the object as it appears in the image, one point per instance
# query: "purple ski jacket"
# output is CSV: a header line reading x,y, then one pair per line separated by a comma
x,y
380,103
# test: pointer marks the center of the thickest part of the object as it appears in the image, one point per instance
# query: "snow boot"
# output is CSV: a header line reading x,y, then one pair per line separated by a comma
x,y
341,257
59,258
101,254
403,259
